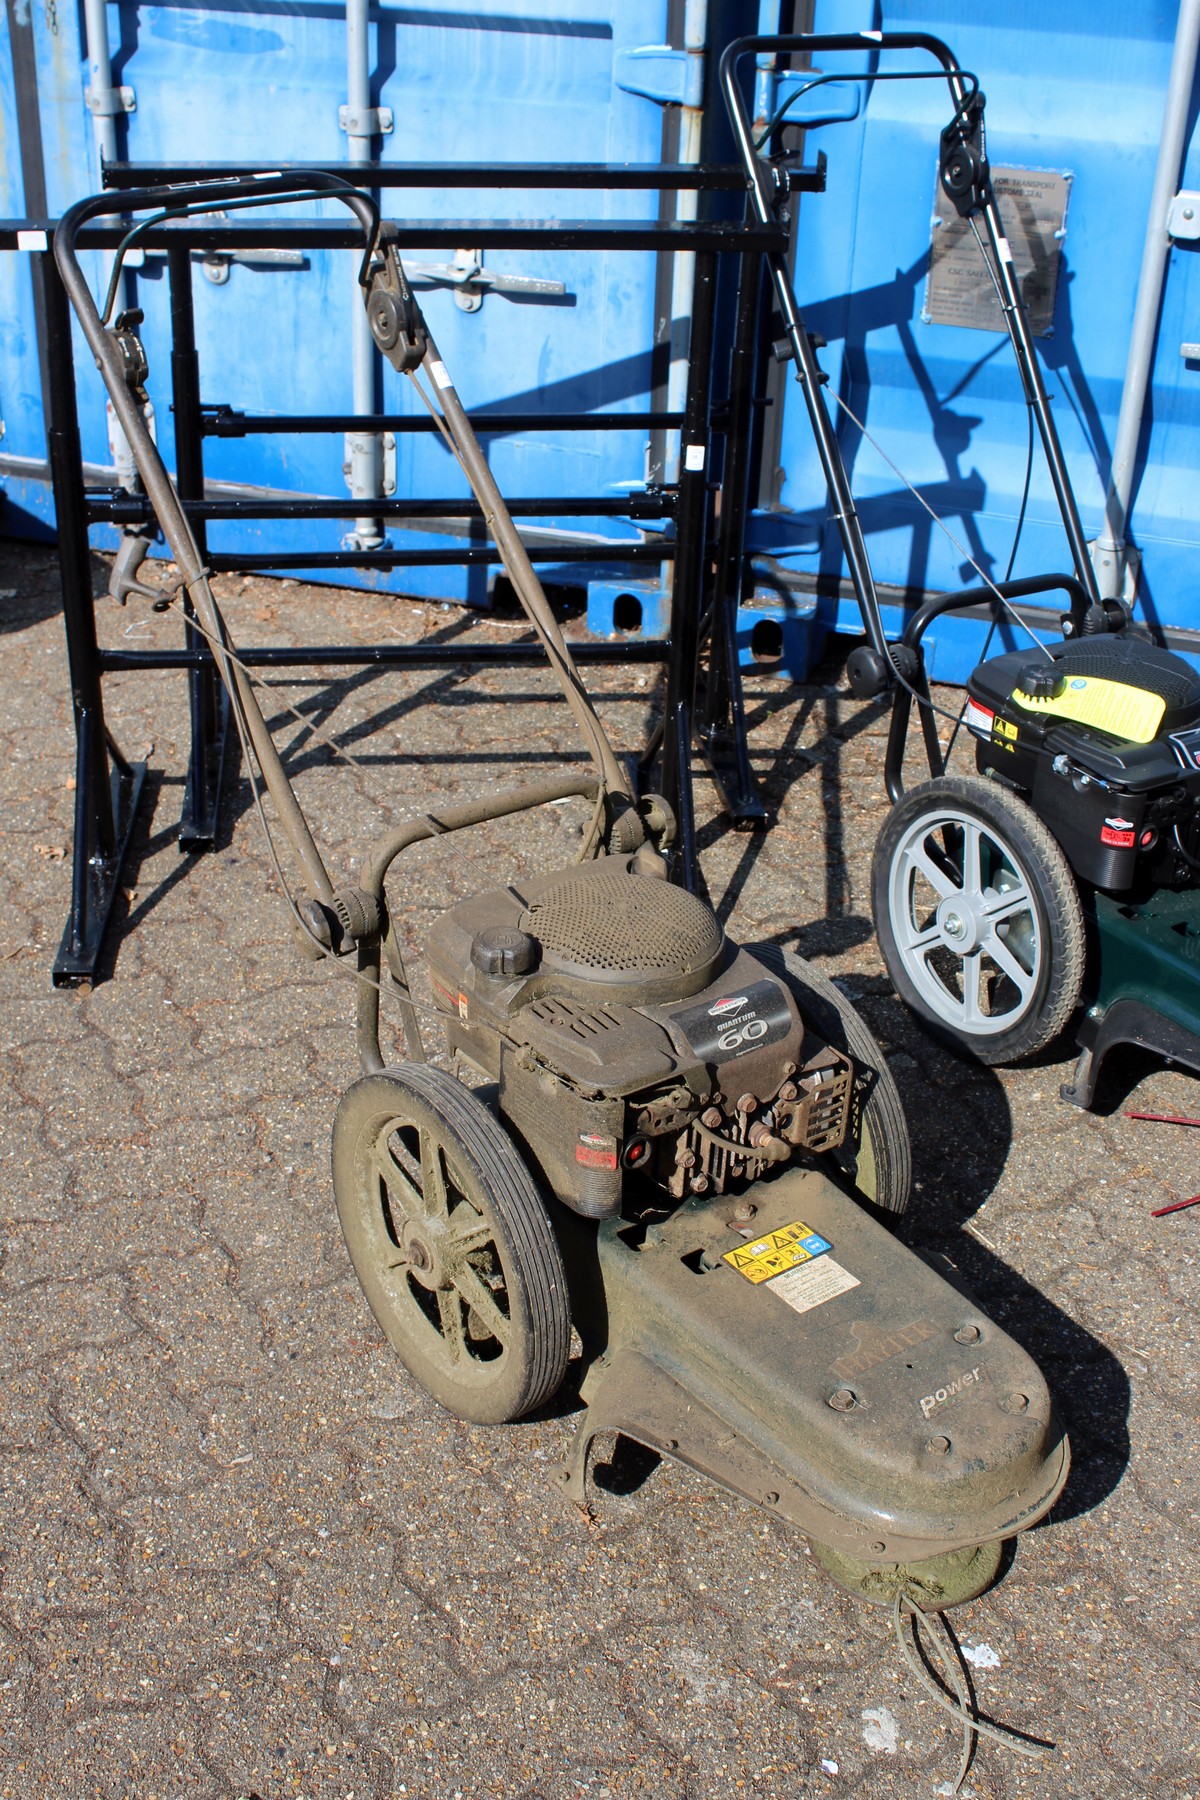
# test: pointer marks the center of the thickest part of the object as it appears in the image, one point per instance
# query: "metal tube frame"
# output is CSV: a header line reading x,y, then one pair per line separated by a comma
x,y
208,700
107,787
194,421
722,713
690,568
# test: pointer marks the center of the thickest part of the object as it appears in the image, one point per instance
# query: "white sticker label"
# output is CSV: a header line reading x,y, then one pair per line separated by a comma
x,y
1005,249
32,240
440,374
693,457
978,718
813,1283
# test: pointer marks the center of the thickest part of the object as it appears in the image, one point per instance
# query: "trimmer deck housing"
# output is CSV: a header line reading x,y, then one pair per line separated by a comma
x,y
857,1394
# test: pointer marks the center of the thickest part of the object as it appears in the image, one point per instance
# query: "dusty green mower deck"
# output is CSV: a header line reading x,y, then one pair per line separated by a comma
x,y
857,1395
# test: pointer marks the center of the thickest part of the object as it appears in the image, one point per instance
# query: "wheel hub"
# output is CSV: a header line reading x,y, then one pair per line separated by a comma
x,y
425,1253
960,923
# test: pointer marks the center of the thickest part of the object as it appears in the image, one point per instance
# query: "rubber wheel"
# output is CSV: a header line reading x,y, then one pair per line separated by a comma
x,y
451,1242
978,918
876,1158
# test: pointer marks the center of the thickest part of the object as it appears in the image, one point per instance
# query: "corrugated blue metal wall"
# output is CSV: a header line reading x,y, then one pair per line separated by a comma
x,y
1069,87
265,82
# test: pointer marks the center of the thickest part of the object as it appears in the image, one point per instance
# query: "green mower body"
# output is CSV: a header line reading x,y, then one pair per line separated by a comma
x,y
1067,872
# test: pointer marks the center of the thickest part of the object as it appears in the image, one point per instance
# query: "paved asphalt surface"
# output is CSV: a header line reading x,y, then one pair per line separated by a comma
x,y
243,1554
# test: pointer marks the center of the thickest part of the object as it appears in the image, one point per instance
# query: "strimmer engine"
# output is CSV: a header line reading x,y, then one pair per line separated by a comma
x,y
628,1034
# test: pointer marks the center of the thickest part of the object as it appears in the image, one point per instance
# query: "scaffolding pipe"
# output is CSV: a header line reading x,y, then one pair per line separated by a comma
x,y
364,449
683,270
104,102
1110,549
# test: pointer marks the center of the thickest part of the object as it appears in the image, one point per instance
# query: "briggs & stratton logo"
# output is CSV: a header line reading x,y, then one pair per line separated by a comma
x,y
731,1003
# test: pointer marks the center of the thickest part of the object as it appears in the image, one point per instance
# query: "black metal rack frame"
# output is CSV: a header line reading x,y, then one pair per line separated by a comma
x,y
108,786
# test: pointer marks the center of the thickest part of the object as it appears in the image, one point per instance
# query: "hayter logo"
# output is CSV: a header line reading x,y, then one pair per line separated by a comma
x,y
731,1003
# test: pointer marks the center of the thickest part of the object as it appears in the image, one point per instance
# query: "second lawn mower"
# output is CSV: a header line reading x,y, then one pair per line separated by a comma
x,y
1067,869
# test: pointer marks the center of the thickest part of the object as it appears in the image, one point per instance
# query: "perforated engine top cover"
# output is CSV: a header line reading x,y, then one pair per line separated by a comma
x,y
605,923
604,929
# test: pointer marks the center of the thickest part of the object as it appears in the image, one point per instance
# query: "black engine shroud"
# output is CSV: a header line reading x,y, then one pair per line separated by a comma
x,y
629,1036
1126,810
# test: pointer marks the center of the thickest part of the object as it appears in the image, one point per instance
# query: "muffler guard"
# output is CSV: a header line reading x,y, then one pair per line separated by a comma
x,y
854,1393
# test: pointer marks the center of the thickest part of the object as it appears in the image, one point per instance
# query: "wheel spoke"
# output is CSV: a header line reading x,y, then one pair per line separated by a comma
x,y
973,1013
1024,980
997,906
450,1312
403,1193
482,1302
468,1232
932,938
433,1177
972,858
937,878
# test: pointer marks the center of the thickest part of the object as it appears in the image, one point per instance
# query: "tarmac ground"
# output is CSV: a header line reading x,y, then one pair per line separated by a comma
x,y
244,1554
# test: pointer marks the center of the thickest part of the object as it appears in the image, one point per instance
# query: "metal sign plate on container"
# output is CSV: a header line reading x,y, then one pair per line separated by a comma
x,y
1033,210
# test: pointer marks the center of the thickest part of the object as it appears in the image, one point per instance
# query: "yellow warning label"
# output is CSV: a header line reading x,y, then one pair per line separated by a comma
x,y
1128,712
778,1252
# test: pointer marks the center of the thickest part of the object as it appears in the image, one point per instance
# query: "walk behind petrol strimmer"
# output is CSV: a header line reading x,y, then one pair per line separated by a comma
x,y
688,1149
1067,870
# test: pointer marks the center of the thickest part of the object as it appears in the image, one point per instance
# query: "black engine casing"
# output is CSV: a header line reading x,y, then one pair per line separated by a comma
x,y
628,1035
1117,807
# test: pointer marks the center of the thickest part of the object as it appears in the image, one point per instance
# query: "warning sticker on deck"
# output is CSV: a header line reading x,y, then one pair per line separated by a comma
x,y
814,1283
778,1252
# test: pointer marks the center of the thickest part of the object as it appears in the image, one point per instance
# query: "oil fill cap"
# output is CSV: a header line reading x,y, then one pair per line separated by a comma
x,y
504,950
1041,681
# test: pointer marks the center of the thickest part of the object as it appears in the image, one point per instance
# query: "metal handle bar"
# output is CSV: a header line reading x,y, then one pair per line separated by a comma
x,y
150,466
914,631
937,604
211,196
767,194
757,168
584,782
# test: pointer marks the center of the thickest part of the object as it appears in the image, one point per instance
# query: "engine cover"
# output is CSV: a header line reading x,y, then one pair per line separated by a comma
x,y
1109,756
630,1038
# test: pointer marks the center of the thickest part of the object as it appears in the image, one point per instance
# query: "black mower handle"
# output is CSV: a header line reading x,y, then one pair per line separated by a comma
x,y
757,167
966,180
